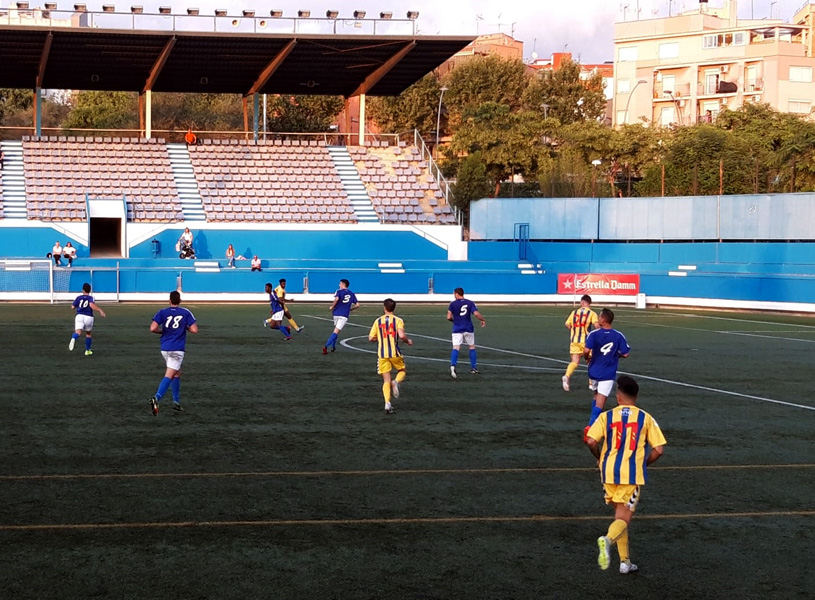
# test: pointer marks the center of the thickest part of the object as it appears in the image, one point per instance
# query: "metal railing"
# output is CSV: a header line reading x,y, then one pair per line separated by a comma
x,y
435,172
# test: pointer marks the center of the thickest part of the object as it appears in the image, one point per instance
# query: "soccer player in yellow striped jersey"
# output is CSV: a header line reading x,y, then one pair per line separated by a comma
x,y
578,324
631,440
386,331
280,290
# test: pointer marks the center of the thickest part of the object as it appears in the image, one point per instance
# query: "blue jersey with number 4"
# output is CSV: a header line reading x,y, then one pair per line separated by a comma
x,y
174,321
462,310
346,300
606,345
82,304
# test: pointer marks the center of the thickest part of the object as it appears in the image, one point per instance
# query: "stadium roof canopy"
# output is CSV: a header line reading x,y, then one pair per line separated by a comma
x,y
94,58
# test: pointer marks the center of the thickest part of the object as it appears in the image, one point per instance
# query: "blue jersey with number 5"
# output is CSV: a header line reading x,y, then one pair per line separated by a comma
x,y
346,300
82,304
606,345
462,310
174,321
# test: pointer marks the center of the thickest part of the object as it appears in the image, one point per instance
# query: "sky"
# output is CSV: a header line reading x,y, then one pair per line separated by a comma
x,y
582,27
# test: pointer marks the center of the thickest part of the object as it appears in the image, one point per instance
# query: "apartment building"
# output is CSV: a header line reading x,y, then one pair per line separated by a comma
x,y
684,69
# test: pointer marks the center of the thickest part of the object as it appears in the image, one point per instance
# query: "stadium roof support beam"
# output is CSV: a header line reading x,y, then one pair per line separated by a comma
x,y
46,50
155,71
269,70
385,68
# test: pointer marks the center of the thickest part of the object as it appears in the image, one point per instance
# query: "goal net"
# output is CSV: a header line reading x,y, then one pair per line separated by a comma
x,y
22,279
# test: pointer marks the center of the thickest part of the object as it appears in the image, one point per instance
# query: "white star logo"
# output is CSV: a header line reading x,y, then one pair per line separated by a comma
x,y
567,284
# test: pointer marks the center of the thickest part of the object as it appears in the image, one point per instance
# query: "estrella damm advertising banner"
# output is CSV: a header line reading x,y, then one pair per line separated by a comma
x,y
604,284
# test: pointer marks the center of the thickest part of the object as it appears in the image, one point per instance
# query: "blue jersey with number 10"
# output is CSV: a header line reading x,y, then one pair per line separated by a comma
x,y
174,321
606,345
462,310
82,304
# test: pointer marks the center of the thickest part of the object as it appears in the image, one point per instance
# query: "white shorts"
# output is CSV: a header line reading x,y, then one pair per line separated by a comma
x,y
173,359
278,316
339,322
466,337
602,387
83,323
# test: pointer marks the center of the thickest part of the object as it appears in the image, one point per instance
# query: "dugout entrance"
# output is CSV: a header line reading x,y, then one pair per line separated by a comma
x,y
107,226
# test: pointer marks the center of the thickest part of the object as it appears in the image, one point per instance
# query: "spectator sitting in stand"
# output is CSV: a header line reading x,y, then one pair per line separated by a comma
x,y
56,254
256,263
190,138
69,252
230,257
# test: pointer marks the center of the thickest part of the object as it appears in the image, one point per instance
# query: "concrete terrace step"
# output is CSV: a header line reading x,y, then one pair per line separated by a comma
x,y
189,194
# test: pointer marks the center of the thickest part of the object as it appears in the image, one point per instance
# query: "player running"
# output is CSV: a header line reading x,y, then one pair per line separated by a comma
x,y
625,432
172,324
604,348
387,330
578,323
83,321
344,302
461,312
277,311
280,290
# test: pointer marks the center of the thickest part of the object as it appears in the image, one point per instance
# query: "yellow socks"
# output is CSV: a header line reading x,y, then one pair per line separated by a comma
x,y
386,391
400,376
618,534
571,369
293,323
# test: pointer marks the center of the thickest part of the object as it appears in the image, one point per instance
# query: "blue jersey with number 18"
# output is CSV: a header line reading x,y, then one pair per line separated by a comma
x,y
174,321
606,345
462,310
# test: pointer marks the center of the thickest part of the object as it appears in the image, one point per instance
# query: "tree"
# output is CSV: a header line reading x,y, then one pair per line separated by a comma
x,y
307,114
508,142
13,100
201,112
103,110
568,97
472,182
484,79
415,108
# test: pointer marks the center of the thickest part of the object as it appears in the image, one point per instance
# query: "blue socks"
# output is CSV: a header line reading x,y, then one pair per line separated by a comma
x,y
472,358
74,335
175,386
332,341
454,357
595,412
285,331
162,387
88,342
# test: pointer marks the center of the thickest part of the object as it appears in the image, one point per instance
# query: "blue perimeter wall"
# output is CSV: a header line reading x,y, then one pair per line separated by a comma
x,y
759,271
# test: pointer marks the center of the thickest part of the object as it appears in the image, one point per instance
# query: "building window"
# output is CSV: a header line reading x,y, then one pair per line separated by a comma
x,y
801,107
628,54
801,74
668,84
666,116
669,50
718,40
621,117
623,86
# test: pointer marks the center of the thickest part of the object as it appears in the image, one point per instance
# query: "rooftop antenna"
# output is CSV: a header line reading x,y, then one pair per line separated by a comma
x,y
624,10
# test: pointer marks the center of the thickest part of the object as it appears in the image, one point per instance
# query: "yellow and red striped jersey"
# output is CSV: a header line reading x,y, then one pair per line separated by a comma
x,y
625,432
386,331
578,323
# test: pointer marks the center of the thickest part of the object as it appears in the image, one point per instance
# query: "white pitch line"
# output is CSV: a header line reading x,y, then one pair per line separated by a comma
x,y
658,379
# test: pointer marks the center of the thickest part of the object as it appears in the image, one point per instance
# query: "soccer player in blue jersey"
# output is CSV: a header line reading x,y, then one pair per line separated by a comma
x,y
626,433
604,348
172,324
344,302
83,321
278,310
461,312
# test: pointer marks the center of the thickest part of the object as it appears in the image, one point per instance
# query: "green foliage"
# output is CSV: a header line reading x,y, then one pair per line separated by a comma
x,y
14,100
472,182
569,99
103,110
200,112
307,114
415,108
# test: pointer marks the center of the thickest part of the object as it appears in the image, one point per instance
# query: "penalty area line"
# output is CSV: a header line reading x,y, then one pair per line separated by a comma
x,y
392,521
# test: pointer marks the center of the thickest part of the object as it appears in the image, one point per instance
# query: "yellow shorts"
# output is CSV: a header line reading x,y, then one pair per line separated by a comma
x,y
385,365
622,494
577,348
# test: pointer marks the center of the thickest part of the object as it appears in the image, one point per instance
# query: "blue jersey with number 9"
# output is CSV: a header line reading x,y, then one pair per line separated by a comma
x,y
606,345
462,310
174,321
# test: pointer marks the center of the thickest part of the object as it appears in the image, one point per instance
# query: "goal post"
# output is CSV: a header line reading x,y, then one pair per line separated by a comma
x,y
26,279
